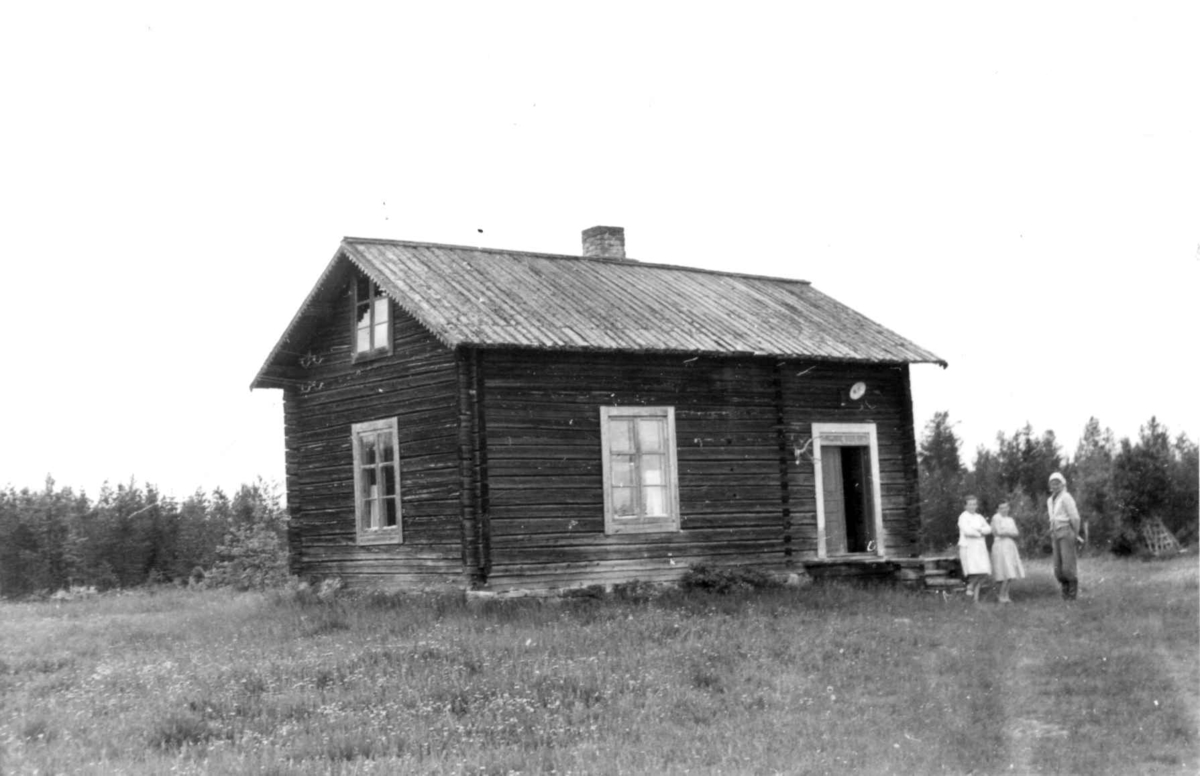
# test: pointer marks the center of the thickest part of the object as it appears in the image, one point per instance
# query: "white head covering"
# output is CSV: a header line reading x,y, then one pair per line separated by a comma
x,y
1058,476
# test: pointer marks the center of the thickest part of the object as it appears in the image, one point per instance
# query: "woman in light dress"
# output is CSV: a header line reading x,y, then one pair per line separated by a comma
x,y
972,547
1006,560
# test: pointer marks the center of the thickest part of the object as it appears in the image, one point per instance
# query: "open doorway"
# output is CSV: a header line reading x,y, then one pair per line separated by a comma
x,y
848,495
849,511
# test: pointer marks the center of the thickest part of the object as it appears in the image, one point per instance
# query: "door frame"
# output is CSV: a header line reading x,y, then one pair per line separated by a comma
x,y
846,435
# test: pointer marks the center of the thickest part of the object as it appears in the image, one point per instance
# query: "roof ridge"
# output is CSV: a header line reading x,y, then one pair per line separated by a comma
x,y
596,259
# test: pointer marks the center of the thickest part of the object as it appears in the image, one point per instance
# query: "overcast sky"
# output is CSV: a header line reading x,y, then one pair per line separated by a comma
x,y
1015,187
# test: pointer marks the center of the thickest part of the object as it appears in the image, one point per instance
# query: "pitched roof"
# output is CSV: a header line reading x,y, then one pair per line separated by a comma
x,y
488,298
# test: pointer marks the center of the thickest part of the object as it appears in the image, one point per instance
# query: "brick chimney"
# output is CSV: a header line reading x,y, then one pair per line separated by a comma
x,y
606,242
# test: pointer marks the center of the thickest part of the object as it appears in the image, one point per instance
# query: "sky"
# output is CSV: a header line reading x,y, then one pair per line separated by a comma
x,y
1015,187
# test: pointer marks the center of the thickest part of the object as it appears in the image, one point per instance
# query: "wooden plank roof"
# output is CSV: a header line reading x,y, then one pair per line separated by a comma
x,y
488,298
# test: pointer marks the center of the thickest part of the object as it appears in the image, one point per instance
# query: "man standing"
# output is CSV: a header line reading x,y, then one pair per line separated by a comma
x,y
1064,533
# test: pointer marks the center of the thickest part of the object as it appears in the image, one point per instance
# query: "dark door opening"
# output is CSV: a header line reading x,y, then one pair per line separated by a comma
x,y
848,499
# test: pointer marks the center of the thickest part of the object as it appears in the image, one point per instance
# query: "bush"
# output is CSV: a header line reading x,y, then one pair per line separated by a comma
x,y
252,558
179,729
725,580
637,591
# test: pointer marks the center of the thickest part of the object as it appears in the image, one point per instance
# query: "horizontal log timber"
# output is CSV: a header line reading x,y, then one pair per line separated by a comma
x,y
417,534
410,412
332,494
551,469
502,448
429,484
399,578
391,583
550,583
325,390
632,568
417,429
522,524
439,552
572,402
537,486
527,527
735,520
604,553
327,556
694,557
616,385
504,497
693,537
427,374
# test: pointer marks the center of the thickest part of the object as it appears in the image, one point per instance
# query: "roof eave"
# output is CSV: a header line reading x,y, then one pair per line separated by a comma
x,y
262,380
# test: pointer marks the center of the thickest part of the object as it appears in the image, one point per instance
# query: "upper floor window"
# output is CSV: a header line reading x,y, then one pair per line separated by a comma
x,y
372,319
641,491
377,482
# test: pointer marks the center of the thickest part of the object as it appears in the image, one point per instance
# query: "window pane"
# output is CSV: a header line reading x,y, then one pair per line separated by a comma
x,y
654,501
370,498
652,470
650,435
362,290
386,446
622,469
620,436
368,442
389,480
375,517
389,520
380,336
381,310
622,502
363,341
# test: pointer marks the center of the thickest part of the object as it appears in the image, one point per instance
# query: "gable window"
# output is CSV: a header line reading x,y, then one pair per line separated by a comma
x,y
849,504
372,319
641,493
377,482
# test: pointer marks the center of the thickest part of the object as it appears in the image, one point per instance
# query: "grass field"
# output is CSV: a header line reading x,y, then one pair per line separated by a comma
x,y
827,679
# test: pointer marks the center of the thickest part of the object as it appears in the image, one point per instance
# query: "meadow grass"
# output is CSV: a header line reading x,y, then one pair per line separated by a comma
x,y
826,679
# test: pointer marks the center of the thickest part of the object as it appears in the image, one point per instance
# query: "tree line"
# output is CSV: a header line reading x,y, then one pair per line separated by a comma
x,y
1119,487
55,539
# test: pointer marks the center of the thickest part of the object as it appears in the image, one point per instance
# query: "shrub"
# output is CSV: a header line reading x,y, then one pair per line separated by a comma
x,y
75,593
252,558
179,729
724,580
37,730
638,591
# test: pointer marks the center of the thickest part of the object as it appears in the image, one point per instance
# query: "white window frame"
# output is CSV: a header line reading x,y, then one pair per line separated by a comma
x,y
374,295
376,534
846,434
640,523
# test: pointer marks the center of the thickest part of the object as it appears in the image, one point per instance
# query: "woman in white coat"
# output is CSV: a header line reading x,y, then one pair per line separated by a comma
x,y
972,547
1006,558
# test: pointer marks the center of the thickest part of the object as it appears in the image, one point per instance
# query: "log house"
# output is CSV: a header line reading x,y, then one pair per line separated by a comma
x,y
505,420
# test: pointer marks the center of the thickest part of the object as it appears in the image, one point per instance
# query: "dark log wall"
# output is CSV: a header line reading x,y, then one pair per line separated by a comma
x,y
418,384
743,497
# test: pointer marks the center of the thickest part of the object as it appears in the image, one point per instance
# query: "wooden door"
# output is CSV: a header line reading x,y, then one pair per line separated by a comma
x,y
834,492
